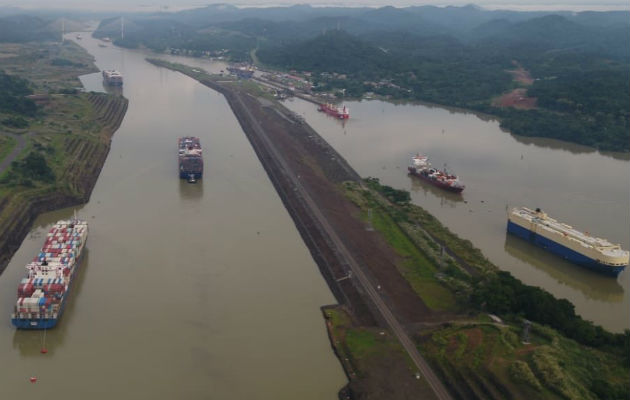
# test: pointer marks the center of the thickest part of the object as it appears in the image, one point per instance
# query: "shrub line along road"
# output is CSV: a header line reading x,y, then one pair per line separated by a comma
x,y
21,144
436,385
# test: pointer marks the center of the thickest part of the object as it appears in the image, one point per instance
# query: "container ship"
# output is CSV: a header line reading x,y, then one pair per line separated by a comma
x,y
190,158
578,247
421,167
337,112
112,77
43,293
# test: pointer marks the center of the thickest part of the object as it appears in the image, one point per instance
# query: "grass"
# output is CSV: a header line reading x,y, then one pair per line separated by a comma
x,y
414,265
492,359
479,358
70,131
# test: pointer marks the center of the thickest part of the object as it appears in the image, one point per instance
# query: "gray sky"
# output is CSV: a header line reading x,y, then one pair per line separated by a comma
x,y
150,5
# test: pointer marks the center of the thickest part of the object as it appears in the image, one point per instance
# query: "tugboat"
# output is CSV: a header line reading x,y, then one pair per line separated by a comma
x,y
421,167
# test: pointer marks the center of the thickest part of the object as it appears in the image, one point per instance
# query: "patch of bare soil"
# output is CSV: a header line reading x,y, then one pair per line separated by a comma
x,y
521,75
518,99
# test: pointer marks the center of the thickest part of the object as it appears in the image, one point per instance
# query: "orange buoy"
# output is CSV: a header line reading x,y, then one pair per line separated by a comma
x,y
33,379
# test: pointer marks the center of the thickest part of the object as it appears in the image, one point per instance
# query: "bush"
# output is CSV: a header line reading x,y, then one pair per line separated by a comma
x,y
521,373
15,122
34,167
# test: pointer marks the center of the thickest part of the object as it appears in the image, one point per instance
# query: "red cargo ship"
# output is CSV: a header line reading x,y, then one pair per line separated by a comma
x,y
421,168
337,112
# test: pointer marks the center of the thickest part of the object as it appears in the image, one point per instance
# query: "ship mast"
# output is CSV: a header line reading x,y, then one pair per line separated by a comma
x,y
122,28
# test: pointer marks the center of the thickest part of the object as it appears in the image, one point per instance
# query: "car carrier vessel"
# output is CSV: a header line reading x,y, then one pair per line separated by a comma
x,y
569,243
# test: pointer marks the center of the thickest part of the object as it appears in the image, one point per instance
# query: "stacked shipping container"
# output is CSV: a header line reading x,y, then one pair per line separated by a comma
x,y
42,294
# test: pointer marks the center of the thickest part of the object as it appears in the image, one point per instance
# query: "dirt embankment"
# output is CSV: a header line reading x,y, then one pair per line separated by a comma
x,y
86,157
320,171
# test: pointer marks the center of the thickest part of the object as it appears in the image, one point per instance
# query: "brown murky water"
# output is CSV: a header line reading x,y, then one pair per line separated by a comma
x,y
199,291
574,184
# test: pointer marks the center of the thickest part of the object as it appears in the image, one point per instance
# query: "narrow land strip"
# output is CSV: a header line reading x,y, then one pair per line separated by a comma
x,y
283,149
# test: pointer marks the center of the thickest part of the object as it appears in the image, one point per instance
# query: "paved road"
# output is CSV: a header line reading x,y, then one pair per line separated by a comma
x,y
21,144
438,388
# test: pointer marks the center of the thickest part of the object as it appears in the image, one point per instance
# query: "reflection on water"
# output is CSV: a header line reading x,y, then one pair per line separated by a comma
x,y
30,342
499,170
93,82
115,90
191,191
182,278
573,148
593,285
447,198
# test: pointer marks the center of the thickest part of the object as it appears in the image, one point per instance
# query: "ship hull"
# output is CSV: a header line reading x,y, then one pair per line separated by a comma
x,y
48,323
112,83
190,159
454,189
187,175
563,251
333,113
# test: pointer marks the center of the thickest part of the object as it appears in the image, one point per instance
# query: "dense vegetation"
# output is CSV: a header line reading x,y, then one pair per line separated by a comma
x,y
457,56
12,92
499,292
582,97
32,168
563,356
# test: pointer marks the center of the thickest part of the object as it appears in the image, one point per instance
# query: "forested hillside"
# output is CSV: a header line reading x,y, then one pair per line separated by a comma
x,y
577,63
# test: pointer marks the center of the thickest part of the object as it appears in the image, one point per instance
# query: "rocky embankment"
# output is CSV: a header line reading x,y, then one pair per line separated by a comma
x,y
84,158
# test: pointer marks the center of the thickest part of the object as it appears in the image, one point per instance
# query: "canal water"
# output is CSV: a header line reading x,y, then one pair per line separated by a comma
x,y
572,183
201,291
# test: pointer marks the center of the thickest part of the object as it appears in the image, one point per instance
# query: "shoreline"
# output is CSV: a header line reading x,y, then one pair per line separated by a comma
x,y
358,265
75,189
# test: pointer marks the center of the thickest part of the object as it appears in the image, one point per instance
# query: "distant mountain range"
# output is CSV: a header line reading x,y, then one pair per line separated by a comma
x,y
456,56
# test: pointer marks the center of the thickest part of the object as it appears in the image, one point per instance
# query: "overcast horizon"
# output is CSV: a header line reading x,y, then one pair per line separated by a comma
x,y
174,5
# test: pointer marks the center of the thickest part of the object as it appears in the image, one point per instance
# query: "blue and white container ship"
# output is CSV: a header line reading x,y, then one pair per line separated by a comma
x,y
43,293
578,247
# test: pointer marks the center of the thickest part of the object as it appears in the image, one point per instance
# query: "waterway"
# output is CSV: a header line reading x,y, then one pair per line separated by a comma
x,y
572,183
201,291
